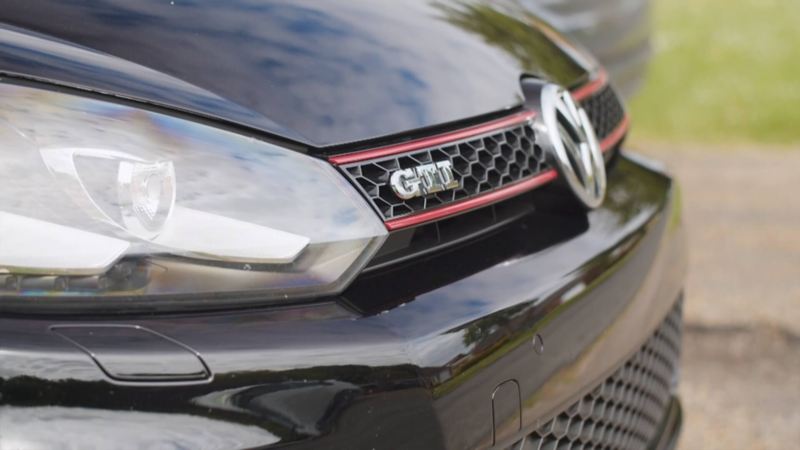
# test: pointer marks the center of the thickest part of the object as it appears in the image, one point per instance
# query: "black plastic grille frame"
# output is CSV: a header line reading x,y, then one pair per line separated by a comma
x,y
626,410
605,111
482,163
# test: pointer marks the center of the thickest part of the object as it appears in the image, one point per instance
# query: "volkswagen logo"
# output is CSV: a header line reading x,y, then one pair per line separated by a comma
x,y
570,139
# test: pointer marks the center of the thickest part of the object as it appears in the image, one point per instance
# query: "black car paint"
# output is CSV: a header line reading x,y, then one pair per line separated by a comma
x,y
378,367
316,72
323,375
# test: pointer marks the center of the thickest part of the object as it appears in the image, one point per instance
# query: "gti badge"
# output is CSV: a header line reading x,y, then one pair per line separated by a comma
x,y
570,139
423,180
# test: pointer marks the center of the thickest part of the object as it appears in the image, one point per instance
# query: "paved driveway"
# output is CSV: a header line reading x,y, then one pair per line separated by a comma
x,y
741,368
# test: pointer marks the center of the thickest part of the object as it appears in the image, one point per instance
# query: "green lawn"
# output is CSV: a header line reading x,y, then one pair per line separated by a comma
x,y
724,71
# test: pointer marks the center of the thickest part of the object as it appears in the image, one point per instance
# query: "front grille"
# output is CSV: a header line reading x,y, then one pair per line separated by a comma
x,y
482,163
625,411
605,111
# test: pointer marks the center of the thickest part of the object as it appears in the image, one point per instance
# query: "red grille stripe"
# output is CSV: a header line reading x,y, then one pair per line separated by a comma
x,y
433,141
580,93
475,202
599,81
615,136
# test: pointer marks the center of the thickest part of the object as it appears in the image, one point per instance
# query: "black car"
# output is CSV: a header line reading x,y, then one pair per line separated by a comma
x,y
326,224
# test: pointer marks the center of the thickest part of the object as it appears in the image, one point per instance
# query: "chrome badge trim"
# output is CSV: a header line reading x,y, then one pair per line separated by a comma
x,y
569,138
423,180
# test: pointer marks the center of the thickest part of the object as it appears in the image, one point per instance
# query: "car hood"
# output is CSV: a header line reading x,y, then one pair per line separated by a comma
x,y
317,72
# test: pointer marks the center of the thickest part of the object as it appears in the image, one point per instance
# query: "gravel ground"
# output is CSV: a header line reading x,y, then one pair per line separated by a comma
x,y
741,364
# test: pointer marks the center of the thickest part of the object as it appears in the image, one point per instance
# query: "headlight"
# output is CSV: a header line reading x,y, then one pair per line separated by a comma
x,y
103,200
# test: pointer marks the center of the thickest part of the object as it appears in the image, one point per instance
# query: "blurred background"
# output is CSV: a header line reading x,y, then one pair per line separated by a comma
x,y
720,104
714,92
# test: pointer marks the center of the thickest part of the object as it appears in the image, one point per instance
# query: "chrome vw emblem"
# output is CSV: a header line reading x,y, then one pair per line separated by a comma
x,y
570,138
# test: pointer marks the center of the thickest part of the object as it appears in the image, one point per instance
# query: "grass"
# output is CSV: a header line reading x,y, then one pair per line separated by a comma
x,y
724,71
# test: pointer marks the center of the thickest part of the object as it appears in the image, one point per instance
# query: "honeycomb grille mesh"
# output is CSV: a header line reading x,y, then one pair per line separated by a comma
x,y
625,411
481,164
605,111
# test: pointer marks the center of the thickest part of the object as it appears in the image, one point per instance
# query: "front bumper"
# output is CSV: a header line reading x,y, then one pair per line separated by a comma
x,y
481,361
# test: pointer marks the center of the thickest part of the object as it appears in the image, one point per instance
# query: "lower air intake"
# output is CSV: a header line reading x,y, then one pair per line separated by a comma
x,y
624,411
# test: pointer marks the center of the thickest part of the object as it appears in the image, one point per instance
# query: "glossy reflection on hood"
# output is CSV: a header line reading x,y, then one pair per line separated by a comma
x,y
320,72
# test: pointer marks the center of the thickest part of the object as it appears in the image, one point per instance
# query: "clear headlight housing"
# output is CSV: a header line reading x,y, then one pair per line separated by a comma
x,y
102,200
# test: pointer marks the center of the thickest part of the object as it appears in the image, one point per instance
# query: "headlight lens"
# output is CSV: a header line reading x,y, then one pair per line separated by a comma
x,y
102,200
